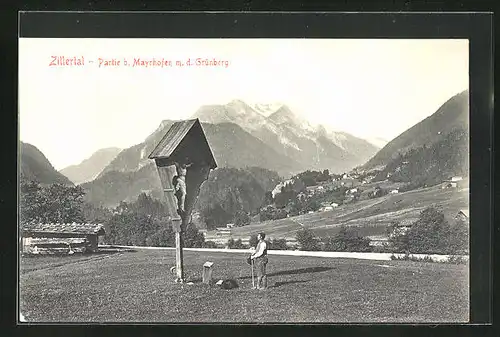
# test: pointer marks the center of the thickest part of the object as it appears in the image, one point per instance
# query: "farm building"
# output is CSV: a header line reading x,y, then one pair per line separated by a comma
x,y
396,191
51,238
301,196
314,189
351,191
456,178
378,240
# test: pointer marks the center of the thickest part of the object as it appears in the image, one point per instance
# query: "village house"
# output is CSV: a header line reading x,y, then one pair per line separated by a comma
x,y
456,178
378,240
301,196
351,191
52,238
449,185
314,189
350,182
334,205
395,191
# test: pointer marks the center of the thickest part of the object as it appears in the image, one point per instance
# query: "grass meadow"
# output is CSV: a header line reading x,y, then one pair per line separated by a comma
x,y
137,286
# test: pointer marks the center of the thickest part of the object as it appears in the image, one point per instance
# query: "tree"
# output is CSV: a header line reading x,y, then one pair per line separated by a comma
x,y
140,223
306,240
53,203
397,239
347,240
428,233
95,214
253,240
241,218
431,234
268,198
326,175
192,238
278,244
232,244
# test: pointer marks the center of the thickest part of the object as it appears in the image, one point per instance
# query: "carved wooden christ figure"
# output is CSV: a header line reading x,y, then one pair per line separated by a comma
x,y
179,183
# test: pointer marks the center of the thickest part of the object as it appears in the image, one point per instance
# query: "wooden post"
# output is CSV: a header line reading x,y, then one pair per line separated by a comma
x,y
178,257
166,174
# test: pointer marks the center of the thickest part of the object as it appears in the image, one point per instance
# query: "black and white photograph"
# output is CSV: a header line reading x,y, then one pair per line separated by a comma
x,y
272,180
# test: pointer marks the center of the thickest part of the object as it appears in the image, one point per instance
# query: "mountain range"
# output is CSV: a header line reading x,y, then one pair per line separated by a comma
x,y
267,136
90,168
306,146
274,138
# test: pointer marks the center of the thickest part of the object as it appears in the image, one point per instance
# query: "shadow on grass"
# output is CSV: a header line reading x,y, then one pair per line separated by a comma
x,y
279,284
294,272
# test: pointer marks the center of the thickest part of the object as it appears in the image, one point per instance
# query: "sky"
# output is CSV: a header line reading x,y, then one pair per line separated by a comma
x,y
374,88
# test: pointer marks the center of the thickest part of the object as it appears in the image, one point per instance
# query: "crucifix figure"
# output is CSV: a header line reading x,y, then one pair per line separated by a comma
x,y
179,183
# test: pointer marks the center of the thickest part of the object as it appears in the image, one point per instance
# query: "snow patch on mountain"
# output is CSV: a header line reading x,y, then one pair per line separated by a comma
x,y
266,109
288,142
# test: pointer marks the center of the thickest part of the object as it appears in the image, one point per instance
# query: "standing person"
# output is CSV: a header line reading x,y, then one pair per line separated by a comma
x,y
260,258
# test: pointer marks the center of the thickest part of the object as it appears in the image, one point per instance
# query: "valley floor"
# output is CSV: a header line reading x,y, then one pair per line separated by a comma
x,y
138,287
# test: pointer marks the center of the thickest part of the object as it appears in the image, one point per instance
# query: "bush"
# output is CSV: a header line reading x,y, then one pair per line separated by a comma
x,y
253,240
456,259
347,240
52,203
232,244
241,218
431,234
192,238
209,244
408,257
278,244
307,241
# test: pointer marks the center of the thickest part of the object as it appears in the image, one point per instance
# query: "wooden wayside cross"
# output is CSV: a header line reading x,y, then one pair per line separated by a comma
x,y
184,143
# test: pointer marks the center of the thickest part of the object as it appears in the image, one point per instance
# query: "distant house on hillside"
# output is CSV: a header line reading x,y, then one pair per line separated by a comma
x,y
334,204
395,191
301,196
449,185
377,240
314,189
456,178
352,191
54,238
